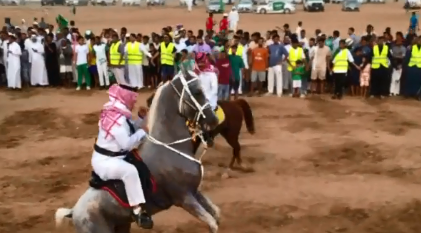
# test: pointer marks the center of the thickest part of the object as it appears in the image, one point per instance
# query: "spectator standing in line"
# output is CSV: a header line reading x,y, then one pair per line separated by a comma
x,y
380,73
82,58
365,76
51,61
13,64
277,53
99,50
297,76
225,73
340,68
237,66
259,65
65,63
39,75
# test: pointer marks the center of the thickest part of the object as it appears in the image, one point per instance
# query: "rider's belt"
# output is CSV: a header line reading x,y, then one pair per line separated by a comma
x,y
109,153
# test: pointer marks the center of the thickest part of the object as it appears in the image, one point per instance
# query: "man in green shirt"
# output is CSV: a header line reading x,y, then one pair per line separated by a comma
x,y
237,66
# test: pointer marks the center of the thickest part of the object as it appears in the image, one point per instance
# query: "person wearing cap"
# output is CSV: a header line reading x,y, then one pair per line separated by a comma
x,y
134,52
13,63
117,61
167,52
223,24
380,72
118,135
233,19
340,68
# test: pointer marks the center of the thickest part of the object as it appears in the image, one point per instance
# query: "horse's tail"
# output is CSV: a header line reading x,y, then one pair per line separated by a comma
x,y
248,115
62,213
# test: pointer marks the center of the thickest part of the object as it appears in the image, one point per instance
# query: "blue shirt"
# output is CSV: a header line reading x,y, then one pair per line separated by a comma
x,y
276,51
413,21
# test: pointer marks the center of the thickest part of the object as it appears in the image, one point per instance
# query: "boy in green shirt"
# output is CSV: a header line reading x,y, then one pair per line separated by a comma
x,y
297,75
237,65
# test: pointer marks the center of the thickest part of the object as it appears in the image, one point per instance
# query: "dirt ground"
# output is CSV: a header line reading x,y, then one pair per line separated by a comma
x,y
319,165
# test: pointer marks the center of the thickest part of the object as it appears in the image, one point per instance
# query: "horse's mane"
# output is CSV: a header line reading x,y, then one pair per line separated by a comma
x,y
154,105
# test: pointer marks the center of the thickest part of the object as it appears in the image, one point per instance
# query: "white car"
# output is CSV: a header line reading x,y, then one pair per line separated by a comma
x,y
278,7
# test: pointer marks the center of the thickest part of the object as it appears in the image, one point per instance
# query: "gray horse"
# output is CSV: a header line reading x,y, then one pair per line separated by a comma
x,y
168,154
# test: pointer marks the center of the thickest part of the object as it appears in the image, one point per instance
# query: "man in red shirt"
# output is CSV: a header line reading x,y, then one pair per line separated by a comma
x,y
223,25
209,23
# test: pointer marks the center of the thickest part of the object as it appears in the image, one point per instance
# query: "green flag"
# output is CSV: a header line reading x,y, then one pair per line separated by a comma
x,y
61,22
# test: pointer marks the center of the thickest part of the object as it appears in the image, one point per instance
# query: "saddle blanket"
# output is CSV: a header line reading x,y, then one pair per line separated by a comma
x,y
116,187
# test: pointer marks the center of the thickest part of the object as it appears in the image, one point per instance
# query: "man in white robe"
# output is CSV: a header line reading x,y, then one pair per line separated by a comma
x,y
38,69
189,4
233,19
209,83
13,64
134,61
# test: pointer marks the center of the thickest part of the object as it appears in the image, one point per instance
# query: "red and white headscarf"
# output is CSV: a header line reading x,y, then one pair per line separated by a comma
x,y
121,103
202,64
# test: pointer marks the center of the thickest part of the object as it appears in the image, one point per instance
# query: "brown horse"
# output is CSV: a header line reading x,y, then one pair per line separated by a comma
x,y
230,128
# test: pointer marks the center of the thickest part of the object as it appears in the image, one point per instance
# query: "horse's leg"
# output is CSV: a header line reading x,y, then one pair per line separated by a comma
x,y
94,223
124,228
192,205
209,206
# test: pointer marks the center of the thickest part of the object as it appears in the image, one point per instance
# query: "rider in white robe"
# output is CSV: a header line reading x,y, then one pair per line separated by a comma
x,y
114,141
13,64
37,59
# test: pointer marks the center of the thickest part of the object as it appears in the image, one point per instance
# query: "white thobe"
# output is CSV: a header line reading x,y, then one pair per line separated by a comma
x,y
115,168
189,4
38,69
13,66
209,82
135,70
233,19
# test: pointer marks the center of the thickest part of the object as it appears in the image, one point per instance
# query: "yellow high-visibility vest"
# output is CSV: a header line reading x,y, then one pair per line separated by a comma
x,y
415,59
239,51
167,57
134,55
379,58
341,62
293,56
115,55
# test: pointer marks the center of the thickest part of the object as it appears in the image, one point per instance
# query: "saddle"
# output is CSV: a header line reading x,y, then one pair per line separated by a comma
x,y
116,187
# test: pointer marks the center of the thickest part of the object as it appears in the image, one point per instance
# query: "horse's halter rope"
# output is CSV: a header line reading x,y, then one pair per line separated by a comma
x,y
196,106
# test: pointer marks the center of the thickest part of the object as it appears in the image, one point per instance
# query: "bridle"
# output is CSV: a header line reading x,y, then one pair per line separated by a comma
x,y
199,113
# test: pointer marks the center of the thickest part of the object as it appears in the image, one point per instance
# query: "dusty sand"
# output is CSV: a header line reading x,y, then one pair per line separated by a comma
x,y
320,165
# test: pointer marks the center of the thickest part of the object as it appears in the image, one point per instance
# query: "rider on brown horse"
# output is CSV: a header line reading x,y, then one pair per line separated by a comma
x,y
209,82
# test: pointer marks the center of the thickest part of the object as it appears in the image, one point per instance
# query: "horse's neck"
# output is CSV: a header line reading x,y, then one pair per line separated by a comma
x,y
169,126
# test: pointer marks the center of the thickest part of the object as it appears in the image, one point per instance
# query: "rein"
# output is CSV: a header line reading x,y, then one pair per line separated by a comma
x,y
196,132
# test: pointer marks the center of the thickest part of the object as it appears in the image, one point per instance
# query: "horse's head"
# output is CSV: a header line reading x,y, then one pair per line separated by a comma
x,y
192,103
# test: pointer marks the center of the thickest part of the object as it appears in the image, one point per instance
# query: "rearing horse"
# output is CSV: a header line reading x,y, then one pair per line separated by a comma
x,y
168,155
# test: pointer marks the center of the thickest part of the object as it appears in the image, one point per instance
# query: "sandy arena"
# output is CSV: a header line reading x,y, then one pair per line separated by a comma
x,y
319,165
